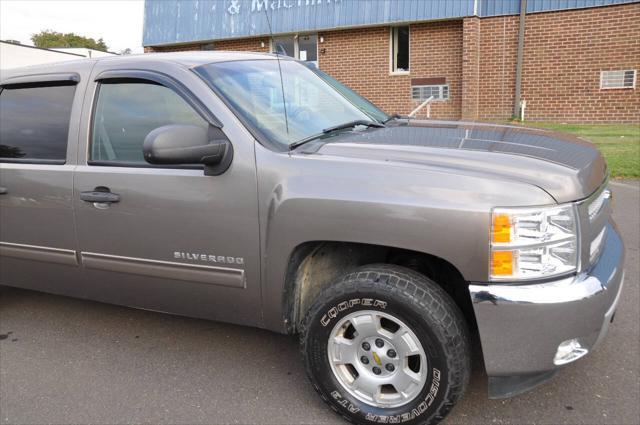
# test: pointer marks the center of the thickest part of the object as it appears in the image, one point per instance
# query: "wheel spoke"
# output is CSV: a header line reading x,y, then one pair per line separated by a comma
x,y
367,385
366,324
344,350
406,381
406,343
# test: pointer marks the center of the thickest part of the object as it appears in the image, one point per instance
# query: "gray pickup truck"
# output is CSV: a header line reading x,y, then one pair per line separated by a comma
x,y
256,190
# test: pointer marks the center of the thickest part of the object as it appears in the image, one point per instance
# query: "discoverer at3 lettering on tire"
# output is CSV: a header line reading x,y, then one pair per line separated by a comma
x,y
384,344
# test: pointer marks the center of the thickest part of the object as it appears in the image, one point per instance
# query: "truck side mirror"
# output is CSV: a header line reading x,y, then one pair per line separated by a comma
x,y
179,144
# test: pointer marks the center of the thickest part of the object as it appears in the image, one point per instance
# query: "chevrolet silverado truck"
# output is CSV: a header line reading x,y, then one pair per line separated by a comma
x,y
256,190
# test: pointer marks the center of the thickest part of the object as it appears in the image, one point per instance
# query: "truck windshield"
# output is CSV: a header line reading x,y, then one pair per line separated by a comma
x,y
254,89
360,102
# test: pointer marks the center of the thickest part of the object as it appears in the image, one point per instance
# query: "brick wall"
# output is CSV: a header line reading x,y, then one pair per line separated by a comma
x,y
174,48
257,44
470,67
360,59
497,77
564,54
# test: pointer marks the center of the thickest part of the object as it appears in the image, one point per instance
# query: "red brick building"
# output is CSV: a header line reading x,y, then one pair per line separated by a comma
x,y
578,64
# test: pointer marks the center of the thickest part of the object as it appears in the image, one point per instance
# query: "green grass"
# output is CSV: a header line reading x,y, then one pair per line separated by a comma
x,y
619,143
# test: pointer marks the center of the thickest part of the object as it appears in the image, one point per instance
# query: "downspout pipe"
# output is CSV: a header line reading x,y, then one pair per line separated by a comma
x,y
519,58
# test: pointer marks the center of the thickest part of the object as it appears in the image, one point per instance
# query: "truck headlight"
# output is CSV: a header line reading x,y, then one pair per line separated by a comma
x,y
533,243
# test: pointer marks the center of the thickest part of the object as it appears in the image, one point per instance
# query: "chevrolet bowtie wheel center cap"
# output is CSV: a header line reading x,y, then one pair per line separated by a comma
x,y
377,358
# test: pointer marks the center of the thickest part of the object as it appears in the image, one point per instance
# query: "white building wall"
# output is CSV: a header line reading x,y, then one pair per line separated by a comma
x,y
16,55
89,53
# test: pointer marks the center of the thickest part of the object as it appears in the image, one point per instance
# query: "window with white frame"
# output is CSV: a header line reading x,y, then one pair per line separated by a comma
x,y
400,49
438,91
625,79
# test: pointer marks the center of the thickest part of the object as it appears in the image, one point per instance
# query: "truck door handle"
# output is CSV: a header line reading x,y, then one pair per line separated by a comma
x,y
100,195
3,190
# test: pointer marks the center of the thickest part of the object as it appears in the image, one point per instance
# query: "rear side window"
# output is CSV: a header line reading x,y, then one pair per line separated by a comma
x,y
34,123
126,112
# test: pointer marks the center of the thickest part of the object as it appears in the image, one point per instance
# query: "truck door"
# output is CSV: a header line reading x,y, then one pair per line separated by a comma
x,y
166,238
38,136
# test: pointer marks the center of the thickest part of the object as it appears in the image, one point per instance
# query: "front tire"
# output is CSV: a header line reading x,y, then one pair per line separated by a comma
x,y
385,344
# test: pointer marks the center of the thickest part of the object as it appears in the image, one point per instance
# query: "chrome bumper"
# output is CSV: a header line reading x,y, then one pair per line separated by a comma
x,y
521,326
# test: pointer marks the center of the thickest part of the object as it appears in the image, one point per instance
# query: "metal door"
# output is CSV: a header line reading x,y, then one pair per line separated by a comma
x,y
176,240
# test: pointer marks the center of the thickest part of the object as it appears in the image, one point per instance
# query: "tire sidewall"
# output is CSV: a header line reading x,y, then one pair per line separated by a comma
x,y
321,325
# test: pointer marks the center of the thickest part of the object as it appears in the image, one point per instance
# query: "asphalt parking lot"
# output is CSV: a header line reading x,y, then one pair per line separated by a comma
x,y
64,360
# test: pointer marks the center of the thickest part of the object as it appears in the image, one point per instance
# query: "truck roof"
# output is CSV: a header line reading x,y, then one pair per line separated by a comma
x,y
186,59
191,59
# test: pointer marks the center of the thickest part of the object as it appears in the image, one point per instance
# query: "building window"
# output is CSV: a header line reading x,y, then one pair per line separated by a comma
x,y
308,47
422,93
285,46
303,47
618,79
400,49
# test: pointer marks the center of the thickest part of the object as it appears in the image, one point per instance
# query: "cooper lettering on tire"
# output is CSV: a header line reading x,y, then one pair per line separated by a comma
x,y
384,344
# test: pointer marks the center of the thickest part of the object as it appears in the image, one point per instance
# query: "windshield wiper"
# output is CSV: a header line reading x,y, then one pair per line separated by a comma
x,y
351,124
396,117
328,130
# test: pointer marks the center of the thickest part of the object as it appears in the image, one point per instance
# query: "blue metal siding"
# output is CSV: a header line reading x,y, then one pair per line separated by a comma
x,y
175,21
549,5
512,7
179,21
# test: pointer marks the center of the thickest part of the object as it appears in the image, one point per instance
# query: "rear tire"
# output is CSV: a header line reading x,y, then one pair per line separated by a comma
x,y
385,344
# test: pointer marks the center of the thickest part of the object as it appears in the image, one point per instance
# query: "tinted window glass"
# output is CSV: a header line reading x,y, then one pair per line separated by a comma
x,y
34,122
126,112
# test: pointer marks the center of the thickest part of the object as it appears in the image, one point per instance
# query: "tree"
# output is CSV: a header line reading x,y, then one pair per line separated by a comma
x,y
52,39
126,51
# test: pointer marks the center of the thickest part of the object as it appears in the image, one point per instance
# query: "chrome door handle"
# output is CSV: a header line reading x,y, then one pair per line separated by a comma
x,y
100,195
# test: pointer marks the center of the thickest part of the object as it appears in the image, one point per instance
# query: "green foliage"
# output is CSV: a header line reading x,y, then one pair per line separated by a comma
x,y
51,39
619,143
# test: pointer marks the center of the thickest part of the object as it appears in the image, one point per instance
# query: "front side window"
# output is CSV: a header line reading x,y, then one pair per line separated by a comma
x,y
254,89
126,112
34,123
400,49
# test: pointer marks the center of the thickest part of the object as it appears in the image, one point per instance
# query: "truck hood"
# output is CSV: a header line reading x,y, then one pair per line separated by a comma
x,y
566,167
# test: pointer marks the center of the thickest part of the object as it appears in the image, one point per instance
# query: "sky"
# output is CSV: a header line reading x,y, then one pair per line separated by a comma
x,y
117,22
